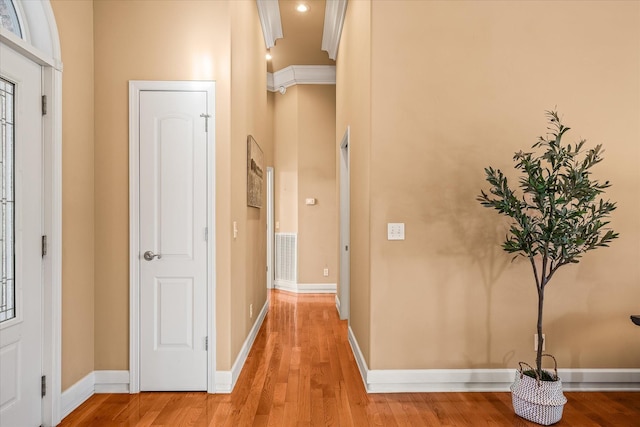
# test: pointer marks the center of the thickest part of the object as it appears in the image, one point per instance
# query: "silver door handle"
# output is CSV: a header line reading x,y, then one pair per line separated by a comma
x,y
149,256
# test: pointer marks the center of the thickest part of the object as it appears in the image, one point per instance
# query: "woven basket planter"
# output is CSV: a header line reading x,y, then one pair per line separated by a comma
x,y
535,400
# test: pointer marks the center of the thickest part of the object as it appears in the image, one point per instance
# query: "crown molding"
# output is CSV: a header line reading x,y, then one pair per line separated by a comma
x,y
301,75
270,85
334,14
269,12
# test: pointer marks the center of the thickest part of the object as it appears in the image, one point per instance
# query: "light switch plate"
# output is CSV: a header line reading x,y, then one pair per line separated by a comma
x,y
395,231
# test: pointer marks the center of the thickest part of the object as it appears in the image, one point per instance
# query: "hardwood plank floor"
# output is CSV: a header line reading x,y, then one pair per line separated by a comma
x,y
301,372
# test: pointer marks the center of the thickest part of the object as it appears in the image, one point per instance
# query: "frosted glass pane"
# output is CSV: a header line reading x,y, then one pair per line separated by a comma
x,y
9,17
7,203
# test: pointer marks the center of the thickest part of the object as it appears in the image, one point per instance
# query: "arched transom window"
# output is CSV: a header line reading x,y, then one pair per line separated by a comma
x,y
9,17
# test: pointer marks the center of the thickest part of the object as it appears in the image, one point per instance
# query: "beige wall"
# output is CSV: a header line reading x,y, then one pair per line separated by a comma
x,y
353,109
285,136
105,44
433,92
249,116
457,86
141,40
75,27
304,167
177,40
317,224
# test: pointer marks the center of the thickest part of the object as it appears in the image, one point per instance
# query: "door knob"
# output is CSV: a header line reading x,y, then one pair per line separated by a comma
x,y
149,256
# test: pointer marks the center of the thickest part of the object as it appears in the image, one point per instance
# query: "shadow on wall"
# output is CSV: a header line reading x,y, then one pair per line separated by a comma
x,y
568,334
476,239
591,336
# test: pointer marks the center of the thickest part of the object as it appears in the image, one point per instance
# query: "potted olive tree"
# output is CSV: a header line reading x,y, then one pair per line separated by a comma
x,y
557,214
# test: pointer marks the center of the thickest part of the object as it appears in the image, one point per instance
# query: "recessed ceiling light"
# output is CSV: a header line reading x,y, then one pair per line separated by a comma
x,y
268,56
302,8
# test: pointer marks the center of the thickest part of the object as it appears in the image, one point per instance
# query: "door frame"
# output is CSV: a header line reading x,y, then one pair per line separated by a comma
x,y
42,46
135,87
270,229
345,227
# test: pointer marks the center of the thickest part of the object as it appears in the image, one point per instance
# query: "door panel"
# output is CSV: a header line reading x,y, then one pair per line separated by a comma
x,y
21,327
173,220
174,313
175,186
9,368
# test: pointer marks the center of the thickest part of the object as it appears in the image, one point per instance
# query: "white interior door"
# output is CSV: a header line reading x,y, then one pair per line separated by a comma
x,y
173,240
20,241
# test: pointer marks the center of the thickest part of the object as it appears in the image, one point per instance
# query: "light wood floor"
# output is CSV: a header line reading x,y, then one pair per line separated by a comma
x,y
301,372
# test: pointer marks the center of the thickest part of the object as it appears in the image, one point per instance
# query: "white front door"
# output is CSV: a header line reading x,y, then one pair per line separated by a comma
x,y
20,240
173,240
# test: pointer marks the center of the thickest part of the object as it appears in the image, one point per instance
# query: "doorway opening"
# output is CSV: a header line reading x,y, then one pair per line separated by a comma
x,y
270,229
344,301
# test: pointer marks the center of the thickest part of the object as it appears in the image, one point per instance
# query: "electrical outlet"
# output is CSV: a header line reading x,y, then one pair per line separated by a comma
x,y
250,311
535,342
326,272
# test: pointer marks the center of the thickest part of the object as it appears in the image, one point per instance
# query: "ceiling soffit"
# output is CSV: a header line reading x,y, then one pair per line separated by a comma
x,y
297,55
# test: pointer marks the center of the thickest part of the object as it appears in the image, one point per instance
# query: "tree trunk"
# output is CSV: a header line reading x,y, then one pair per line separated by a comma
x,y
540,340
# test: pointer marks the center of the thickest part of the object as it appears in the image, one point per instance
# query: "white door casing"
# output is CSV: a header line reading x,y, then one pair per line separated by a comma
x,y
345,227
171,141
21,337
270,229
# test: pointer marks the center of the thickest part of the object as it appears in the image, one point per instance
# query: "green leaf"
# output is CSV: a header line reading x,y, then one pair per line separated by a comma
x,y
555,208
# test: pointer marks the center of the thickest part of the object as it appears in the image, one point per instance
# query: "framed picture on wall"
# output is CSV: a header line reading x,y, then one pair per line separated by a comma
x,y
255,171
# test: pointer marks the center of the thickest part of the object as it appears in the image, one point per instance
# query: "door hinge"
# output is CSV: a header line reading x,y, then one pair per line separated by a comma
x,y
44,245
44,105
206,121
206,343
43,385
206,234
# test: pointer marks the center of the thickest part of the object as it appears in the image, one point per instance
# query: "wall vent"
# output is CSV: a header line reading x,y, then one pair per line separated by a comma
x,y
286,274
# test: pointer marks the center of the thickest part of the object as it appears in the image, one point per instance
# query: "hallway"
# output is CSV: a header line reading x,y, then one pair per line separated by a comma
x,y
301,372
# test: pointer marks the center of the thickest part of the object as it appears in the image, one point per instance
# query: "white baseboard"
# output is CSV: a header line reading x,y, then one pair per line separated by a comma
x,y
599,379
284,285
112,381
338,304
94,382
317,288
76,395
118,381
362,364
484,380
226,380
306,288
